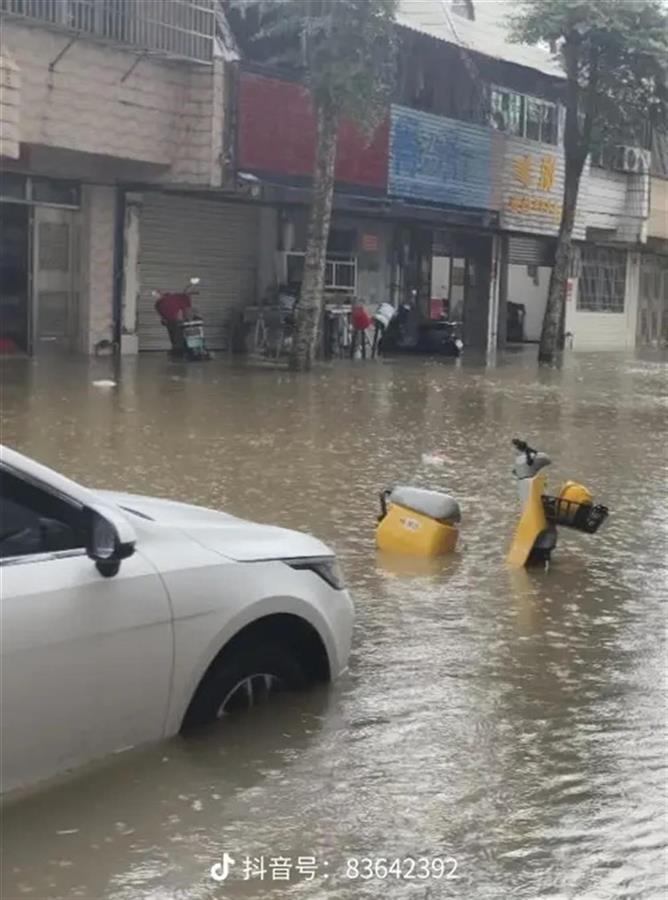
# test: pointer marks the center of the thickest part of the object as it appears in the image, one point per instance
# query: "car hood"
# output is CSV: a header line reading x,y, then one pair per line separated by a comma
x,y
233,538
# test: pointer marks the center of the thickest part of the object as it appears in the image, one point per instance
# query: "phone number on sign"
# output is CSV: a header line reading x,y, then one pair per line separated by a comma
x,y
365,868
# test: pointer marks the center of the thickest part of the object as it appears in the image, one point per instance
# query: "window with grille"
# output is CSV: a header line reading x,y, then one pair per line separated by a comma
x,y
524,116
340,271
602,280
508,111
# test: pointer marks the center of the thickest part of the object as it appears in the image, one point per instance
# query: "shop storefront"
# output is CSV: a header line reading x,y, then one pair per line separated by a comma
x,y
275,152
358,255
530,178
39,264
443,253
529,266
602,302
446,273
182,236
358,269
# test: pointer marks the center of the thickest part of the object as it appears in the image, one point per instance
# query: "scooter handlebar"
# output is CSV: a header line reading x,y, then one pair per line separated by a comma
x,y
523,447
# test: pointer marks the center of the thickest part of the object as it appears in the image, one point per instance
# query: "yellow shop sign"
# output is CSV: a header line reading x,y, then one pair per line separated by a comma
x,y
524,204
530,179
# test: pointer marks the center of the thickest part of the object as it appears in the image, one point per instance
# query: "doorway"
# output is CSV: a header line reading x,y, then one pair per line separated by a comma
x,y
461,271
652,327
54,307
39,263
14,278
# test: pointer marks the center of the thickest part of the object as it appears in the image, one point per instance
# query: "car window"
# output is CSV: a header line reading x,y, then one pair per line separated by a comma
x,y
34,521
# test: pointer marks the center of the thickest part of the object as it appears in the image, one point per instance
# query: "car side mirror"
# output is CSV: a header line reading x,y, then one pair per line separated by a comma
x,y
110,539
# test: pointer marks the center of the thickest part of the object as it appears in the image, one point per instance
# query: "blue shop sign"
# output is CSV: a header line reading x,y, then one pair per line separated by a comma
x,y
439,160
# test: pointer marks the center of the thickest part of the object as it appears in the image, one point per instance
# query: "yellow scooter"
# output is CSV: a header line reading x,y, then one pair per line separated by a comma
x,y
536,534
417,522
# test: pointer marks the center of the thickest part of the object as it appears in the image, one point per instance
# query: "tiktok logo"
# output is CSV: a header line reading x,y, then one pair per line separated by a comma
x,y
220,871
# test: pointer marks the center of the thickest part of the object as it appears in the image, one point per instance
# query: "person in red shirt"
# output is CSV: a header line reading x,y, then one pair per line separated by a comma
x,y
173,309
360,321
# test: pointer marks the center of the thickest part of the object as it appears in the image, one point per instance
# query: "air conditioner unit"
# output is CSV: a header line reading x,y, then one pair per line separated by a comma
x,y
632,159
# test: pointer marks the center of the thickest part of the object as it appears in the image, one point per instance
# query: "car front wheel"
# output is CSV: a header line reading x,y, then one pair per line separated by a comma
x,y
245,677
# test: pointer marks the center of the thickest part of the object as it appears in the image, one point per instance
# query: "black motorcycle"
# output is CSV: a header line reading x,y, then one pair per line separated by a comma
x,y
437,337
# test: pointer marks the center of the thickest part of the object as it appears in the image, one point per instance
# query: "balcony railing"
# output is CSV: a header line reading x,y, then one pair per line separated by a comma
x,y
182,29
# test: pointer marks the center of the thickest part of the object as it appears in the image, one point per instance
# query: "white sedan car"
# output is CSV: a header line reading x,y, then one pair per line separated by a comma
x,y
127,619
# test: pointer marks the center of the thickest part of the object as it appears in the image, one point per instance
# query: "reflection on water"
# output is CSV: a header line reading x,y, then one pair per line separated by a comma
x,y
515,721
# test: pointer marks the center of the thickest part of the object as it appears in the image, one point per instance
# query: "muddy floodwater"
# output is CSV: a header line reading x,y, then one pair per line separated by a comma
x,y
512,721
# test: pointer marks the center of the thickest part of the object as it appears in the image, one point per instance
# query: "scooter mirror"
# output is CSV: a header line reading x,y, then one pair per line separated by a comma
x,y
195,281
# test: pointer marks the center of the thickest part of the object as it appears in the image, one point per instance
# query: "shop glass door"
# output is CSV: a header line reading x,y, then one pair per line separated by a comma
x,y
54,299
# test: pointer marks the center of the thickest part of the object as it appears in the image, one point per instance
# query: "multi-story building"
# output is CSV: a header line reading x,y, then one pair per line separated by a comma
x,y
458,195
138,149
112,115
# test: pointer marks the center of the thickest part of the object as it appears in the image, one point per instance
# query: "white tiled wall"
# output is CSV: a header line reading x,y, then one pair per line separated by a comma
x,y
607,330
165,114
617,202
605,200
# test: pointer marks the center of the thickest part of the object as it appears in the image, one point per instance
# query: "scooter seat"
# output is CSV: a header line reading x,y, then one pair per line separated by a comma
x,y
434,504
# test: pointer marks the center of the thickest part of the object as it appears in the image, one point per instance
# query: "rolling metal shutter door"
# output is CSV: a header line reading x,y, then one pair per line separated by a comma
x,y
185,236
524,250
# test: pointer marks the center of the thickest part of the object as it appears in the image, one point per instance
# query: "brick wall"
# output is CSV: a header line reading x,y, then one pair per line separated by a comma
x,y
165,114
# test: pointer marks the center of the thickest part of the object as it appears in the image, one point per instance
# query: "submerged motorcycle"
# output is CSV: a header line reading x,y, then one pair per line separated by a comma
x,y
425,523
407,332
417,522
573,507
432,338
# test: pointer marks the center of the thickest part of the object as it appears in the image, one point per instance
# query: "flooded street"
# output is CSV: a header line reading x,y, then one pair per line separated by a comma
x,y
513,721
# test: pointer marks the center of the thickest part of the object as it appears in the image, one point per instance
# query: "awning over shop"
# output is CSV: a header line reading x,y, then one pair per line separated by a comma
x,y
10,93
383,207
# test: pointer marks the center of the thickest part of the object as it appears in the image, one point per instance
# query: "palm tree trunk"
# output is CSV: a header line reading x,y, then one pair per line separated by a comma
x,y
309,309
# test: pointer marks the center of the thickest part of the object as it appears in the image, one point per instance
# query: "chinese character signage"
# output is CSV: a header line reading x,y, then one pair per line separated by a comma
x,y
439,160
532,185
447,162
533,189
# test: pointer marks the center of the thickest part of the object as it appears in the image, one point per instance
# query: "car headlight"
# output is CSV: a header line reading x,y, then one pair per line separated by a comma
x,y
327,567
